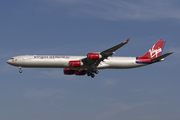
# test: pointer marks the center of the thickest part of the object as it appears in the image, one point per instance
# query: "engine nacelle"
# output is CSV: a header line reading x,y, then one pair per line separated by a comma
x,y
94,56
68,71
80,72
75,63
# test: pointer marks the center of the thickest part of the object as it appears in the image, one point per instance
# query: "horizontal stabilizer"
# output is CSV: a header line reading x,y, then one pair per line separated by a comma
x,y
161,57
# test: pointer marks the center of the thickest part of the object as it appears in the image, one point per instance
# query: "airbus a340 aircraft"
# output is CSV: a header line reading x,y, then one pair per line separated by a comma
x,y
90,64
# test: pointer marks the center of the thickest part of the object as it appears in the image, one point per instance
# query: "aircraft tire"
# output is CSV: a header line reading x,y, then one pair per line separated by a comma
x,y
97,71
92,75
20,71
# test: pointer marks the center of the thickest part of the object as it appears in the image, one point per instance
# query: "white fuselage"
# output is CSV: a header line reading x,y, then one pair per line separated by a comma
x,y
57,61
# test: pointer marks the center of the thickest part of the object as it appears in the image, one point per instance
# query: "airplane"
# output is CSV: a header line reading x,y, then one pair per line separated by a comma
x,y
93,62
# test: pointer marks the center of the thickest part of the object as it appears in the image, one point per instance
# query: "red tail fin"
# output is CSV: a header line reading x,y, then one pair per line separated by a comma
x,y
154,52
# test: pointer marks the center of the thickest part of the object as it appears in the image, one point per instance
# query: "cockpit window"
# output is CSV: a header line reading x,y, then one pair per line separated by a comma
x,y
12,58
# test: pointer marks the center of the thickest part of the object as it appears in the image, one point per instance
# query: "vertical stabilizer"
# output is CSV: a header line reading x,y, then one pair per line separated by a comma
x,y
154,52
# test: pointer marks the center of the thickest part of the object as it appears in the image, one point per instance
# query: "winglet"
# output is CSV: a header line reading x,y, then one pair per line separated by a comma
x,y
126,41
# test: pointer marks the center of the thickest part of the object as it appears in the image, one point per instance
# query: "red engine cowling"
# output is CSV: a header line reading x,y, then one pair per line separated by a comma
x,y
68,71
75,63
94,56
80,72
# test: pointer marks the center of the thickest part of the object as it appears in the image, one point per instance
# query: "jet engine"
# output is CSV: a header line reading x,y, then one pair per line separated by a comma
x,y
68,71
94,56
75,63
80,72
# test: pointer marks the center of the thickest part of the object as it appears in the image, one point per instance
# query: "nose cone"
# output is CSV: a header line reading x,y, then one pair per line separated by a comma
x,y
9,61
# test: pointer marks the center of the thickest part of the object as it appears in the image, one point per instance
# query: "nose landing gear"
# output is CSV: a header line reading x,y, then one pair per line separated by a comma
x,y
20,70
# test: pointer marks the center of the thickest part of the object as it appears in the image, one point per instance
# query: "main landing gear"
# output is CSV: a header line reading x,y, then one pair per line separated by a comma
x,y
91,73
20,70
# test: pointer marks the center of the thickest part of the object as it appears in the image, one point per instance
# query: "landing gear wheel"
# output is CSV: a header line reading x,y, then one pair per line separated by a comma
x,y
88,73
97,71
20,71
92,75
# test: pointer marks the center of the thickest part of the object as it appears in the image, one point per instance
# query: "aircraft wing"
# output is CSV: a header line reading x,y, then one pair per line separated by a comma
x,y
112,49
102,55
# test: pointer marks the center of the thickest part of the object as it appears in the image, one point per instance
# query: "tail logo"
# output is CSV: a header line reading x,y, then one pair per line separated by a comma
x,y
154,52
